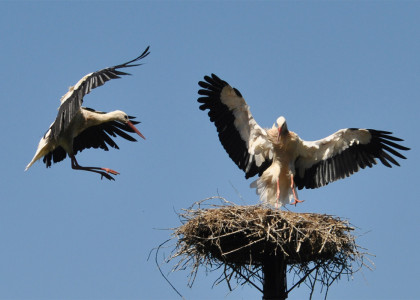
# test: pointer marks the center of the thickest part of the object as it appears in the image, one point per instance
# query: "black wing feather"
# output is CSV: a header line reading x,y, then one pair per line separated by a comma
x,y
99,136
223,118
94,137
57,155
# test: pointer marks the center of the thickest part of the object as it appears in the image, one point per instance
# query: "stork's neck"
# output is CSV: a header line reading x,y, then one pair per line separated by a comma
x,y
111,116
95,118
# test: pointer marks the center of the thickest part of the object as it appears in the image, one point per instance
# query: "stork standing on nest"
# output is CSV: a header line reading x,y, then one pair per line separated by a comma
x,y
282,159
77,128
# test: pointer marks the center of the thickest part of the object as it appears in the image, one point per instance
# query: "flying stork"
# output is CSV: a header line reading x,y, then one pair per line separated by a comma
x,y
77,128
282,160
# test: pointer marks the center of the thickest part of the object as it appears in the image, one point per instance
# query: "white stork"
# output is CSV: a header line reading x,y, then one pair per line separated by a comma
x,y
282,160
77,128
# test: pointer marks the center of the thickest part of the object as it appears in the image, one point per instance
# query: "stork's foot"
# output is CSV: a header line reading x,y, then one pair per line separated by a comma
x,y
107,176
110,171
292,186
75,165
297,201
106,173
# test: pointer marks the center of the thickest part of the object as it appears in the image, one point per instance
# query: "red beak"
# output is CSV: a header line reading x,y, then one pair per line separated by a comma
x,y
135,129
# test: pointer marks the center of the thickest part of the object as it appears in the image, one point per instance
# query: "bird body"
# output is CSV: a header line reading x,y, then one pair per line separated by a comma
x,y
279,173
77,128
280,157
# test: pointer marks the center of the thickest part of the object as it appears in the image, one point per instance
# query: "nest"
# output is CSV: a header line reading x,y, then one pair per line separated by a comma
x,y
237,239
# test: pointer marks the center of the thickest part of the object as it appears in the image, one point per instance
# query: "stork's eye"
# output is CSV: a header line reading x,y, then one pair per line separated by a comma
x,y
126,117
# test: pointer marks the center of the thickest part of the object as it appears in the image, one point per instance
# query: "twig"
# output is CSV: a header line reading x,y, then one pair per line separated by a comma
x,y
160,270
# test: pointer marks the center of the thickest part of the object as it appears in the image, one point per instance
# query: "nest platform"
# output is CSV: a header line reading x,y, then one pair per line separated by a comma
x,y
238,240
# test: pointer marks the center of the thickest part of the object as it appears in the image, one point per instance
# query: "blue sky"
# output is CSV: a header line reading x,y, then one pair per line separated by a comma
x,y
323,65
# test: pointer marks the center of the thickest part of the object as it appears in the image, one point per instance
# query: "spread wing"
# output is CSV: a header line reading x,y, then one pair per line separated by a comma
x,y
99,136
243,139
342,154
73,99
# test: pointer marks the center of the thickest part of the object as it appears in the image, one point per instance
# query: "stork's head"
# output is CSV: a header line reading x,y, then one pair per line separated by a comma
x,y
121,116
281,127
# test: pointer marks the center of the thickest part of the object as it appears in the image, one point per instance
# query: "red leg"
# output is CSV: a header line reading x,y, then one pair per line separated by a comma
x,y
292,185
104,172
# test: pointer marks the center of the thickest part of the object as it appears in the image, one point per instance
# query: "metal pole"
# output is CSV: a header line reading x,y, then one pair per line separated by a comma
x,y
274,274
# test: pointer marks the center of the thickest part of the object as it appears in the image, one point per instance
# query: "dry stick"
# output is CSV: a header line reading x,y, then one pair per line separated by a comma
x,y
302,279
160,270
246,278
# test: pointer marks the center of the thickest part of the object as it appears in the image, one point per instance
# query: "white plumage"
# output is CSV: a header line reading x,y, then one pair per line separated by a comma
x,y
282,160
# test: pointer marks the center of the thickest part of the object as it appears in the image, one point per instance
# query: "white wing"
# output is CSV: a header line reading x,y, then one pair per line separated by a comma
x,y
342,154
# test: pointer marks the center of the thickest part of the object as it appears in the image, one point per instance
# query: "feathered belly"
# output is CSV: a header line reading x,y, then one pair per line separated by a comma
x,y
275,176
